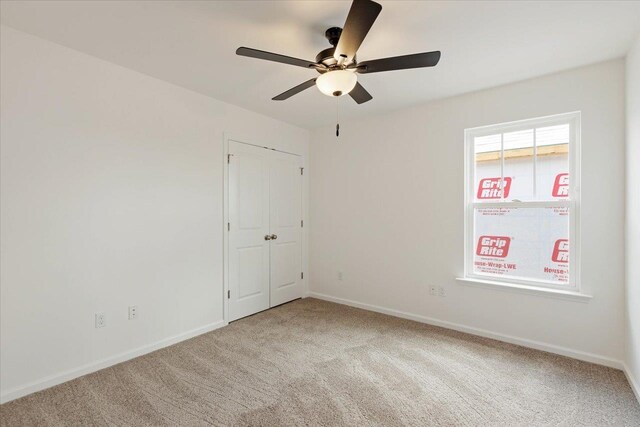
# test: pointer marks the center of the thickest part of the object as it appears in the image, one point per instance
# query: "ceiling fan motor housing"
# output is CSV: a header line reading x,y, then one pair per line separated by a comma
x,y
326,56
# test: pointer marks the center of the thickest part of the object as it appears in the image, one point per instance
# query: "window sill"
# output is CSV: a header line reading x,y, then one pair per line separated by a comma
x,y
532,290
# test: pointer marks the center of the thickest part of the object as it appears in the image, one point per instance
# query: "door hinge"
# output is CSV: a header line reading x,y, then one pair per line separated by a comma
x,y
229,157
301,171
301,223
228,294
302,275
228,226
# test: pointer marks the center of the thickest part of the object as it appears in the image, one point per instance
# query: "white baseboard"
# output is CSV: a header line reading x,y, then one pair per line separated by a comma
x,y
53,380
62,377
635,385
550,348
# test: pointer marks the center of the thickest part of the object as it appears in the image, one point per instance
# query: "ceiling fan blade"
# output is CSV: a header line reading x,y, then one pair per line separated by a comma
x,y
417,60
362,15
275,57
360,94
294,90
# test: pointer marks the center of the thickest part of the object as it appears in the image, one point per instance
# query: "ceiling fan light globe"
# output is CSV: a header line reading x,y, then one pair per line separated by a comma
x,y
336,83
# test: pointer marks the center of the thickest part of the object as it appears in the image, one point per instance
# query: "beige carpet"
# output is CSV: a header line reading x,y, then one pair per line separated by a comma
x,y
312,362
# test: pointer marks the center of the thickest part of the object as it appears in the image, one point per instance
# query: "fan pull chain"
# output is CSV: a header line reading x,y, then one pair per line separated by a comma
x,y
337,118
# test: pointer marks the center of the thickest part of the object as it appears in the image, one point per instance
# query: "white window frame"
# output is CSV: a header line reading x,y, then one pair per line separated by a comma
x,y
573,202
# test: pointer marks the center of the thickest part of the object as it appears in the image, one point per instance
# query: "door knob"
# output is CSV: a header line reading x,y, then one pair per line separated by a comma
x,y
267,237
274,237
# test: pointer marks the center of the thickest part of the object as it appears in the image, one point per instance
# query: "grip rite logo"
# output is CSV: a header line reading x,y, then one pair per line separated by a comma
x,y
493,246
561,185
560,251
489,188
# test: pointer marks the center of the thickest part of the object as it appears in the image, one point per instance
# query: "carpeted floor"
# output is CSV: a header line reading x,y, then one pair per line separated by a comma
x,y
312,362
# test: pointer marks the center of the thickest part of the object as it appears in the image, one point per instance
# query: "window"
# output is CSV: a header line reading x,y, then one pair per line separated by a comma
x,y
522,199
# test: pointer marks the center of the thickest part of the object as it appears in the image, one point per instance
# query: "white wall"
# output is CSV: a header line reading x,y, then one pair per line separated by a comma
x,y
633,217
111,196
387,210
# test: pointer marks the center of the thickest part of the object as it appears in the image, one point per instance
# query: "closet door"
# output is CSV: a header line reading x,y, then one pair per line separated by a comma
x,y
286,232
249,169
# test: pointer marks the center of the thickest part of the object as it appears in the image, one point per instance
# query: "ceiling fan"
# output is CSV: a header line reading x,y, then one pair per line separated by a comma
x,y
337,65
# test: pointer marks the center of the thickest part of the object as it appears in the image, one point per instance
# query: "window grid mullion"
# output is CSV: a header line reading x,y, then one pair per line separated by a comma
x,y
502,166
531,204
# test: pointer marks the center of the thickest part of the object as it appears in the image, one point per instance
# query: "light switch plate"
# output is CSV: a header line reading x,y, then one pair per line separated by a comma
x,y
101,320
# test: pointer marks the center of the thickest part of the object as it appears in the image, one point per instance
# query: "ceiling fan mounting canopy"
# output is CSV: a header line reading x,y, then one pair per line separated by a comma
x,y
337,64
333,35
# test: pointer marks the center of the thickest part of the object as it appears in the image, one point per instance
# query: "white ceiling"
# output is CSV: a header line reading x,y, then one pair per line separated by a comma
x,y
193,43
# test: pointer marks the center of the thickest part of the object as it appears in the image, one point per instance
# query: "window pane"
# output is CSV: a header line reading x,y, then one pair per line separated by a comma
x,y
522,243
518,164
487,153
552,167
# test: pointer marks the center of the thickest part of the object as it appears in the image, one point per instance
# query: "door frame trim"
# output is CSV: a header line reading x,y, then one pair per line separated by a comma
x,y
225,216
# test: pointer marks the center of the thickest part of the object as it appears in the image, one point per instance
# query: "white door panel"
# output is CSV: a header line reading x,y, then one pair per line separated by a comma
x,y
250,271
285,219
249,224
284,264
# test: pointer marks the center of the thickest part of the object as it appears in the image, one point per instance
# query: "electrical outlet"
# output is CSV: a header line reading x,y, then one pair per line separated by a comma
x,y
133,312
101,320
433,290
340,275
441,292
